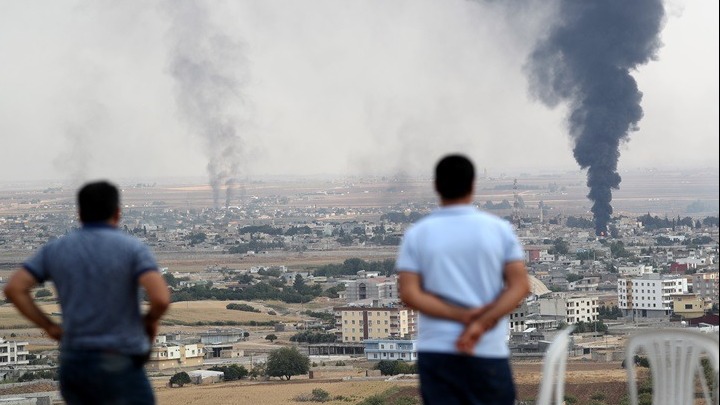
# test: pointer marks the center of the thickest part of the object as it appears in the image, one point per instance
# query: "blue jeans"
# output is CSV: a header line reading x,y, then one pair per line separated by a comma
x,y
97,377
449,379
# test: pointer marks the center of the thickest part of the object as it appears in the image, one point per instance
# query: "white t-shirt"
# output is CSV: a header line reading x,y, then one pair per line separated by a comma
x,y
460,252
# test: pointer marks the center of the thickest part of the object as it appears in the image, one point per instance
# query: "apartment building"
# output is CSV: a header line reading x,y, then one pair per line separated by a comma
x,y
649,296
359,323
389,349
377,288
569,308
518,317
13,353
705,285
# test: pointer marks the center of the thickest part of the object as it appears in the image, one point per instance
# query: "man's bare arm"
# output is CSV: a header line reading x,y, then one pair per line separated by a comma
x,y
415,297
517,287
159,297
18,291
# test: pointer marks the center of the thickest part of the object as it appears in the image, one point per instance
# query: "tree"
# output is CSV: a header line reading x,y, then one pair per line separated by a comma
x,y
180,379
232,372
196,238
271,337
287,362
43,293
299,283
171,280
573,277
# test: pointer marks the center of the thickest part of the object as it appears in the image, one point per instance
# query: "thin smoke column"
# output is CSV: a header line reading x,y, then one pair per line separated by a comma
x,y
208,67
586,61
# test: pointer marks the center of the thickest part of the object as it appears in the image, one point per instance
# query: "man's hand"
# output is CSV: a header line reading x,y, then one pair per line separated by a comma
x,y
18,292
414,296
54,331
151,327
517,287
473,333
159,297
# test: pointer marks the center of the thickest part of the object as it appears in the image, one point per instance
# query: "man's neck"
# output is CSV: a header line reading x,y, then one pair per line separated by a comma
x,y
446,202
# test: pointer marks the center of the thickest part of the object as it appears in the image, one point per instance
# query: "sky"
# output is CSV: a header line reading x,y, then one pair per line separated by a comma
x,y
146,90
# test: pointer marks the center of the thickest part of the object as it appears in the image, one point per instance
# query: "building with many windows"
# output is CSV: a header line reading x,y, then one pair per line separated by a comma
x,y
168,355
705,285
375,321
649,296
569,308
13,353
377,288
389,349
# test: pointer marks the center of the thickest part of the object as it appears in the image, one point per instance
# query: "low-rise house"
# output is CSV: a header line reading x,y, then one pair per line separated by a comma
x,y
168,355
688,306
390,349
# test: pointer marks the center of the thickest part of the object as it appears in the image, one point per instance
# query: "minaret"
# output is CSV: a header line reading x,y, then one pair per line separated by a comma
x,y
516,205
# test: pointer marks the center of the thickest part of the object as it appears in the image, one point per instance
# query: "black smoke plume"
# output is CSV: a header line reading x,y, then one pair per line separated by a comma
x,y
586,61
208,68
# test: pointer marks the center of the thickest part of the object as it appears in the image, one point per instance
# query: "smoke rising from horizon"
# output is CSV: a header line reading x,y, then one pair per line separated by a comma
x,y
586,61
208,67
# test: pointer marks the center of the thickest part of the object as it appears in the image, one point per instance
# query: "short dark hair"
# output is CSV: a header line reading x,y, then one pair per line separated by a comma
x,y
98,201
454,176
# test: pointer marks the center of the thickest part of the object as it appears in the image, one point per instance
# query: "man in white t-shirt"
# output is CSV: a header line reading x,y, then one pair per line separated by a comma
x,y
464,270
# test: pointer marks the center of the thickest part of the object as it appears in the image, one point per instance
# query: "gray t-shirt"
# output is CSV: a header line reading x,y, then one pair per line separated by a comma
x,y
95,270
461,253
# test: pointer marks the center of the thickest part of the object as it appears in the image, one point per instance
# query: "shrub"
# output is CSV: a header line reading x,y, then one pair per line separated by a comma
x,y
241,307
43,293
180,379
317,395
320,395
570,399
395,367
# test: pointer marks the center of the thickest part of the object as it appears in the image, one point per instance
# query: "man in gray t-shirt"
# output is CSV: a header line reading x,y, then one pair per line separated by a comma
x,y
97,271
463,270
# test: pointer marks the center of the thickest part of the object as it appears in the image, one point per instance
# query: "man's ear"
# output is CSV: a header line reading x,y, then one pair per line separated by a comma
x,y
116,216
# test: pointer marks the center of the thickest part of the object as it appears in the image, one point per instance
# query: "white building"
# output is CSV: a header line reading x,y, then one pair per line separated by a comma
x,y
13,353
568,308
388,349
167,355
635,271
649,296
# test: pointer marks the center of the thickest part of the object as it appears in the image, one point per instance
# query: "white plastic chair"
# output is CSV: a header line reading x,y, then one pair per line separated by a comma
x,y
675,358
553,374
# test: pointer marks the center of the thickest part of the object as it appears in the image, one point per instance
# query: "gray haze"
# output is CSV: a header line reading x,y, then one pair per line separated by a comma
x,y
318,87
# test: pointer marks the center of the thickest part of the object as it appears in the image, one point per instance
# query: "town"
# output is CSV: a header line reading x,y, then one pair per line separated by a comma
x,y
310,266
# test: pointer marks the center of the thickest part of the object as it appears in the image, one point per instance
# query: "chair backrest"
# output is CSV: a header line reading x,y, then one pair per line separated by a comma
x,y
675,359
553,374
